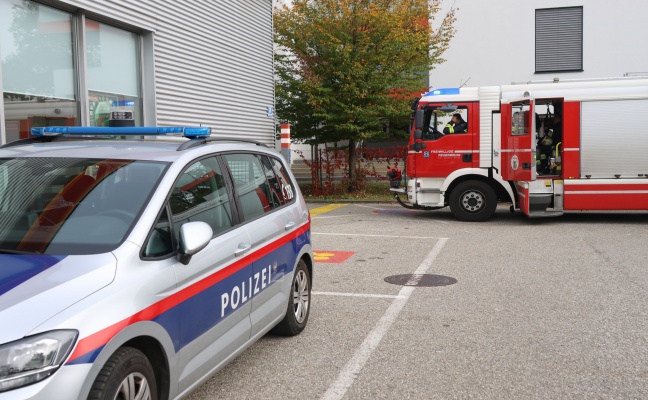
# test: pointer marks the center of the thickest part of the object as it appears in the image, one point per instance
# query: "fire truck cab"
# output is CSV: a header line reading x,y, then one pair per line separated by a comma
x,y
545,147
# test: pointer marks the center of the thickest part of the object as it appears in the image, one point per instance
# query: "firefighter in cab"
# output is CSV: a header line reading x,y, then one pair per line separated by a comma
x,y
456,125
552,136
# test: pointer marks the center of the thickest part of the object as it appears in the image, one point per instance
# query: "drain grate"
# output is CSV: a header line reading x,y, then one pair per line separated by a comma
x,y
423,280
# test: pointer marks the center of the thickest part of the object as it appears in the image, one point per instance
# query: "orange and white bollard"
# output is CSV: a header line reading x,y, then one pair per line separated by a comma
x,y
285,142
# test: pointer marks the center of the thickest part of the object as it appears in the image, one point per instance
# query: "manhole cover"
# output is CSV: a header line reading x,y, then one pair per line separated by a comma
x,y
421,280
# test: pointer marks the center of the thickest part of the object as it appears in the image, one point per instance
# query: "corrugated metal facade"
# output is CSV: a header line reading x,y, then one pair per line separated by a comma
x,y
213,60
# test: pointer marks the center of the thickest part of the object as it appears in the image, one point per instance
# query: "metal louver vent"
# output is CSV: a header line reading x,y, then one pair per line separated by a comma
x,y
559,39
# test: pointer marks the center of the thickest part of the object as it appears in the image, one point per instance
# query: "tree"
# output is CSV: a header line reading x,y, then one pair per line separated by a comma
x,y
344,66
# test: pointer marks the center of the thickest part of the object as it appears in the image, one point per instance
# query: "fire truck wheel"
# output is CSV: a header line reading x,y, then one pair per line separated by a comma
x,y
473,201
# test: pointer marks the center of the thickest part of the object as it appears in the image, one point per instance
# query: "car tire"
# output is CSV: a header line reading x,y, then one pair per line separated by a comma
x,y
128,375
299,303
473,201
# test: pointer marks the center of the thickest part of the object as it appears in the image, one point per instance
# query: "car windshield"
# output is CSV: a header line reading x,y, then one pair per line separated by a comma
x,y
68,206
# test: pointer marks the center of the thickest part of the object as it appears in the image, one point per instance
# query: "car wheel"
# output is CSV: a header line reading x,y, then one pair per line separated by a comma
x,y
128,375
298,303
473,201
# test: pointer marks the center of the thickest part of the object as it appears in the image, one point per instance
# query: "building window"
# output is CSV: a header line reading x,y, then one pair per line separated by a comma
x,y
45,81
112,56
559,39
38,74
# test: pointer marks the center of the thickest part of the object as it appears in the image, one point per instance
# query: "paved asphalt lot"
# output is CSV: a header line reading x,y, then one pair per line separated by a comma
x,y
542,309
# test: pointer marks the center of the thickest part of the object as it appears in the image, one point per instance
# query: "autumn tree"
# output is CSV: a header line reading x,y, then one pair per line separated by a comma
x,y
343,66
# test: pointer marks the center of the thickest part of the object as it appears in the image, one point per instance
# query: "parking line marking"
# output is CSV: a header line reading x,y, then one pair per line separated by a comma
x,y
341,216
324,209
367,295
371,207
350,372
385,236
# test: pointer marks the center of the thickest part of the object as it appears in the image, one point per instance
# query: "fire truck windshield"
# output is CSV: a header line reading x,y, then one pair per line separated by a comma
x,y
437,123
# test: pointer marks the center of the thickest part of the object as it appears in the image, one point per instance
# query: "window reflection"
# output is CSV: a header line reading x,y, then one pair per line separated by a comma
x,y
113,74
71,206
38,74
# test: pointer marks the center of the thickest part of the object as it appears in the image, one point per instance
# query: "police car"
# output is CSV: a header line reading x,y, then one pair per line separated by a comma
x,y
137,268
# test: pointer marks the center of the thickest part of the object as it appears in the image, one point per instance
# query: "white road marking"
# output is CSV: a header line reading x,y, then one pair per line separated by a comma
x,y
374,213
342,216
368,295
350,372
385,236
414,212
373,208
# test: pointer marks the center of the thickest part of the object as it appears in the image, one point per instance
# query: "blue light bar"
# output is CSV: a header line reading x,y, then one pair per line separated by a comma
x,y
186,131
441,92
123,103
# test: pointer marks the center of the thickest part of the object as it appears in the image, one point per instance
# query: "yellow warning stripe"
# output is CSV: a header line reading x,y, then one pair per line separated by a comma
x,y
321,210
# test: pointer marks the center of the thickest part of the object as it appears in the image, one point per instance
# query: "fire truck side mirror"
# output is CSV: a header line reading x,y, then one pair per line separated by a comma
x,y
417,146
418,119
448,108
417,134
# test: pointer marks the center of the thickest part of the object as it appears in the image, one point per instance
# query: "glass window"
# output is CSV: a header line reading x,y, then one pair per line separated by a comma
x,y
520,119
71,205
274,193
287,188
437,123
112,56
160,242
251,185
38,74
201,195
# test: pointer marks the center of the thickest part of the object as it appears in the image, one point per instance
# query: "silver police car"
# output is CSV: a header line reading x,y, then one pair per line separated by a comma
x,y
137,268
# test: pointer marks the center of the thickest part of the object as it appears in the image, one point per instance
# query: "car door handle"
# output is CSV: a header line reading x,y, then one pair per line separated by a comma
x,y
242,249
290,225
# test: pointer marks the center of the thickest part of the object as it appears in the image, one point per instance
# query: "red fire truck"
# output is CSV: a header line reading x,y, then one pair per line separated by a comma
x,y
546,147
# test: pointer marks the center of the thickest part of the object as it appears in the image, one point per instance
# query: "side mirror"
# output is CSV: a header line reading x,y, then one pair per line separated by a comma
x,y
448,108
194,236
418,119
418,134
418,146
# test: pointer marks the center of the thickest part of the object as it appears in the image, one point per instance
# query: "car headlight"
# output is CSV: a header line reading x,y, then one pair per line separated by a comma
x,y
33,358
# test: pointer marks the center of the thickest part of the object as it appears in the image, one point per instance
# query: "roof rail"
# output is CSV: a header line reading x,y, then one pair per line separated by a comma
x,y
626,76
199,141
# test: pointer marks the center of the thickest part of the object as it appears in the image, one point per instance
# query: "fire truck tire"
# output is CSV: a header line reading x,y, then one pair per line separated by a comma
x,y
473,201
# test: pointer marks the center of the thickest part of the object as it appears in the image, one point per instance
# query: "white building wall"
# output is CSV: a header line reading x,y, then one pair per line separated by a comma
x,y
495,41
212,61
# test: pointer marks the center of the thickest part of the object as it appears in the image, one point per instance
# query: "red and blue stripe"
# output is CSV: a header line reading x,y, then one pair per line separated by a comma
x,y
16,269
180,307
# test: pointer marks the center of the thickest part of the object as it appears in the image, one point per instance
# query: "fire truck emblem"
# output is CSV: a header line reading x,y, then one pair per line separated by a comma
x,y
515,163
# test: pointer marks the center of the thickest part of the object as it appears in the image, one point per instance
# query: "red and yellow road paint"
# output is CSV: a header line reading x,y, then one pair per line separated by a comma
x,y
334,257
326,256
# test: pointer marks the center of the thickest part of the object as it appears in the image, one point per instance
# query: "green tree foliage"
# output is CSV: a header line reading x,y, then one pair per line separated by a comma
x,y
346,66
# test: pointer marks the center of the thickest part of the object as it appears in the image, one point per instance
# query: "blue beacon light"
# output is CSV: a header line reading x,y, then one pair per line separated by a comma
x,y
188,132
442,91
